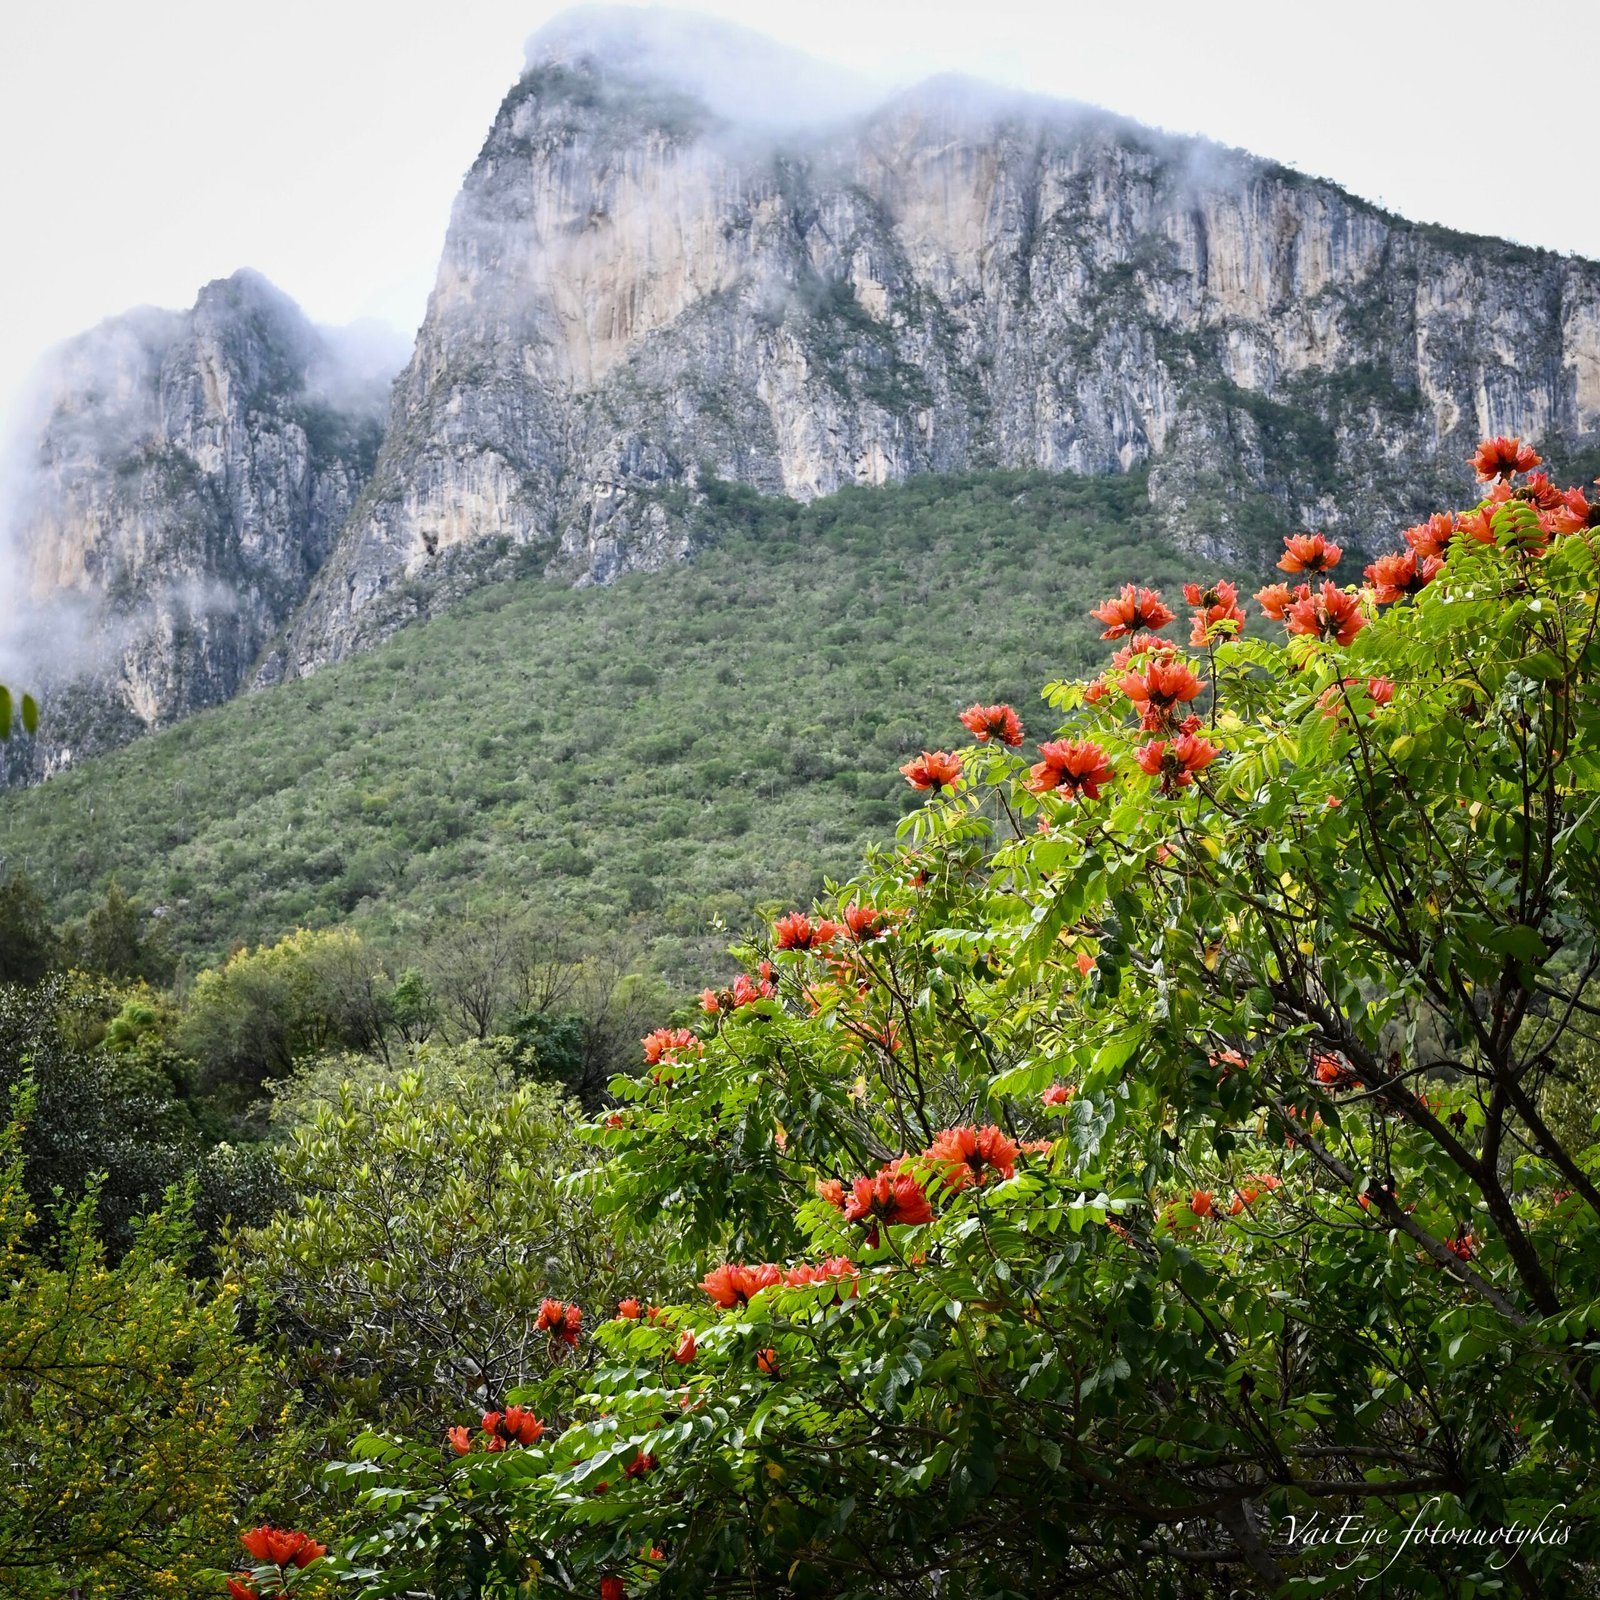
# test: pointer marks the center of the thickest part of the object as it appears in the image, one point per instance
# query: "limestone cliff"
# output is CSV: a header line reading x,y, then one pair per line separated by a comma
x,y
641,286
181,484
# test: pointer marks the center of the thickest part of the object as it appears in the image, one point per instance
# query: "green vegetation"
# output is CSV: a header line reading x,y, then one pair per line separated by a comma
x,y
642,758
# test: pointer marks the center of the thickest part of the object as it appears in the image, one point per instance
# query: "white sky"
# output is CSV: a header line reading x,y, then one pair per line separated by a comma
x,y
150,145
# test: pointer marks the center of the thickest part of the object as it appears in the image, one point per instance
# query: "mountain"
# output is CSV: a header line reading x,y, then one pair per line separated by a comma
x,y
686,258
639,293
188,474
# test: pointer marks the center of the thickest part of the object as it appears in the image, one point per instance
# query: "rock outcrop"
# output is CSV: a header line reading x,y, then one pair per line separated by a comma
x,y
638,290
187,475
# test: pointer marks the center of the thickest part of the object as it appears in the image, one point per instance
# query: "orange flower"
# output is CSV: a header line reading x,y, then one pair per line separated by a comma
x,y
521,1425
864,923
1076,766
1133,608
1332,1073
240,1590
665,1043
746,990
1217,612
1574,512
933,769
1501,457
1176,761
628,1309
968,1155
1165,684
732,1285
1394,577
643,1462
834,1270
1331,614
1463,1246
767,1361
1276,598
1226,1061
1142,644
1308,552
1432,538
797,932
1200,1202
282,1547
685,1352
993,722
460,1440
831,1190
612,1589
1058,1094
1478,525
891,1198
560,1321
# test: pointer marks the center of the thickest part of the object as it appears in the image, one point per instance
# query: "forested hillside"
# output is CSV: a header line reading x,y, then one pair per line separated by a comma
x,y
642,757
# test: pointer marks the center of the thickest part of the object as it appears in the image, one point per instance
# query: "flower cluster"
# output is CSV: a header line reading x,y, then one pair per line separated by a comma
x,y
966,1156
1167,683
993,722
732,1285
1076,767
1134,608
560,1322
1217,613
1176,761
798,932
287,1550
1406,573
666,1044
893,1197
745,991
933,769
514,1425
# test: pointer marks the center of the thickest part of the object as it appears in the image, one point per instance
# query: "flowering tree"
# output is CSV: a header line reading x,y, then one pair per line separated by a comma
x,y
1165,1140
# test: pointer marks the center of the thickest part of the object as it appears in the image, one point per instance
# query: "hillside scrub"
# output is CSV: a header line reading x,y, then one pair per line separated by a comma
x,y
648,758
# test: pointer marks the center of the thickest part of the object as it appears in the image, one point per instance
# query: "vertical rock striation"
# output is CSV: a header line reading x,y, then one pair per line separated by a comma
x,y
638,290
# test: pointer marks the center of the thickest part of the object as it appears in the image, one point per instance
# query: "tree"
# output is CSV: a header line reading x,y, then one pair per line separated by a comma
x,y
126,1398
113,940
28,945
264,1010
429,1217
1149,1151
109,1112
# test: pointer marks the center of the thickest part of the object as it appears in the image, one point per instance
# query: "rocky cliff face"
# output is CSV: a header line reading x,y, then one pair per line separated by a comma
x,y
682,255
638,290
182,485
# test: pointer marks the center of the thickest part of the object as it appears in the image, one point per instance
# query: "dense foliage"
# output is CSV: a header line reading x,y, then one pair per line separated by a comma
x,y
672,748
1153,1148
127,1400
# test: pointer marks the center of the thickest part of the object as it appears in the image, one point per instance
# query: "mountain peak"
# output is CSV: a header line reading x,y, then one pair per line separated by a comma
x,y
740,75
